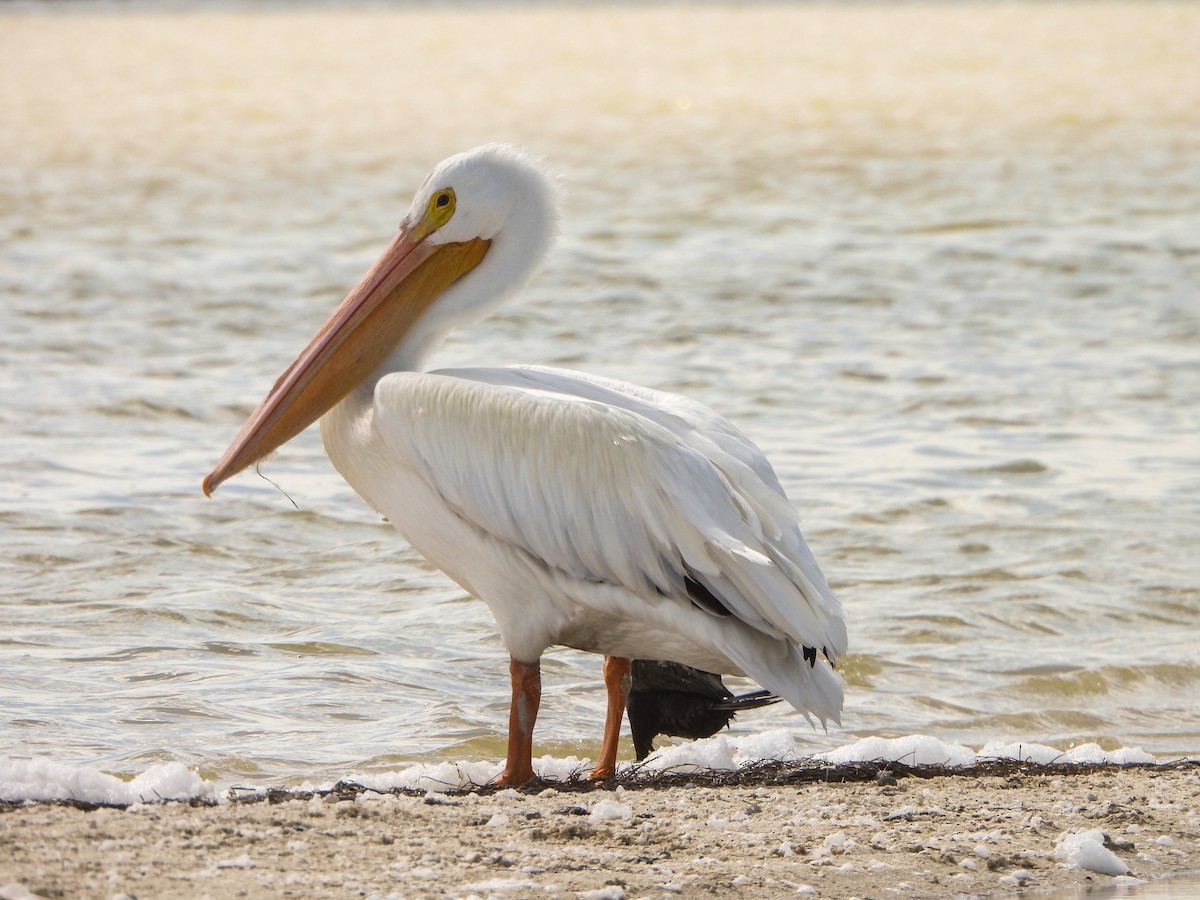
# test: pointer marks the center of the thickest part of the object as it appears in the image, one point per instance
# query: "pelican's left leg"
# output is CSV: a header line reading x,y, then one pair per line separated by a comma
x,y
617,679
526,698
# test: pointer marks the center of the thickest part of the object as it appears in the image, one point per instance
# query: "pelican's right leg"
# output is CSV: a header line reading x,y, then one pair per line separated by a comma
x,y
617,680
526,697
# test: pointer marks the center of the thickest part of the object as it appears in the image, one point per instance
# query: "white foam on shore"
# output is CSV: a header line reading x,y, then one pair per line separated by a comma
x,y
458,776
1086,850
915,749
1084,753
728,753
42,779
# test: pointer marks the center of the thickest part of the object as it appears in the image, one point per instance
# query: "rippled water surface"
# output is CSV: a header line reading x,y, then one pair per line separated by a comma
x,y
942,262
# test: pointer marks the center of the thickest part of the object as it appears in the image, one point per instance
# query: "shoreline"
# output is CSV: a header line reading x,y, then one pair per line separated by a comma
x,y
768,830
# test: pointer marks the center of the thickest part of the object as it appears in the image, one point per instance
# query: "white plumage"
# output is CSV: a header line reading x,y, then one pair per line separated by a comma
x,y
584,511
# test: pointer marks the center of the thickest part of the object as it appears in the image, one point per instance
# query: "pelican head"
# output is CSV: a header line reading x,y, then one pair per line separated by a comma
x,y
476,229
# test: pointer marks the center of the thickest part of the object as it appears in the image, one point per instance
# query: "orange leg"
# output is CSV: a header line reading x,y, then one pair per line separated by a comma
x,y
526,697
616,679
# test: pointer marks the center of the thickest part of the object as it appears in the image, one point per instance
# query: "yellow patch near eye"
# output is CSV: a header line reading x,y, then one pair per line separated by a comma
x,y
441,207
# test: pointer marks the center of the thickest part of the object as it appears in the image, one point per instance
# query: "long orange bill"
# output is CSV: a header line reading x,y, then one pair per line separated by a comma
x,y
352,344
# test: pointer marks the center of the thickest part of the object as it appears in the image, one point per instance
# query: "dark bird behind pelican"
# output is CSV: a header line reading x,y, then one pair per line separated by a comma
x,y
679,701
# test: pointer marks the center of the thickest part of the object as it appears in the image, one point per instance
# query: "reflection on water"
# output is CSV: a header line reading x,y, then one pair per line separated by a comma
x,y
940,261
1183,888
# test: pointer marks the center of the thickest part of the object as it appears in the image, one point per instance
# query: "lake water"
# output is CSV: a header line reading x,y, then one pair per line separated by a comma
x,y
941,261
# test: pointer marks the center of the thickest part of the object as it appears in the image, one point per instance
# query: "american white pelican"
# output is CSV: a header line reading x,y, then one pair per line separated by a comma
x,y
583,511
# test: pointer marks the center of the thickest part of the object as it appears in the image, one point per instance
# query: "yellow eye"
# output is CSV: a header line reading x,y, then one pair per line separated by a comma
x,y
441,207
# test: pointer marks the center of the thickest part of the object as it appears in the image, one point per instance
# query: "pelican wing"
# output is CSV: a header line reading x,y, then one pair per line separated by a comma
x,y
731,452
613,486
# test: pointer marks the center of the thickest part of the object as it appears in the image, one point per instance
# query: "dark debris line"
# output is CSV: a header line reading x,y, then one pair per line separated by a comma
x,y
768,773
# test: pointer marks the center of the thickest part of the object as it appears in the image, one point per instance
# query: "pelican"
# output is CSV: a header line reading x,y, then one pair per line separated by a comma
x,y
582,510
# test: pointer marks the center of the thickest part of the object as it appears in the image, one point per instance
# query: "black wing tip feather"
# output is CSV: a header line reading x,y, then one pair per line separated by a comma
x,y
743,702
810,656
703,598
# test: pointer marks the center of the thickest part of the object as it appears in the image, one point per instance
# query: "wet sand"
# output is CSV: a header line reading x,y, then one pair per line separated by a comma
x,y
944,836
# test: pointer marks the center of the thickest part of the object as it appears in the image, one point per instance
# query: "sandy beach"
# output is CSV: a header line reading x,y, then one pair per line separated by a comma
x,y
953,834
